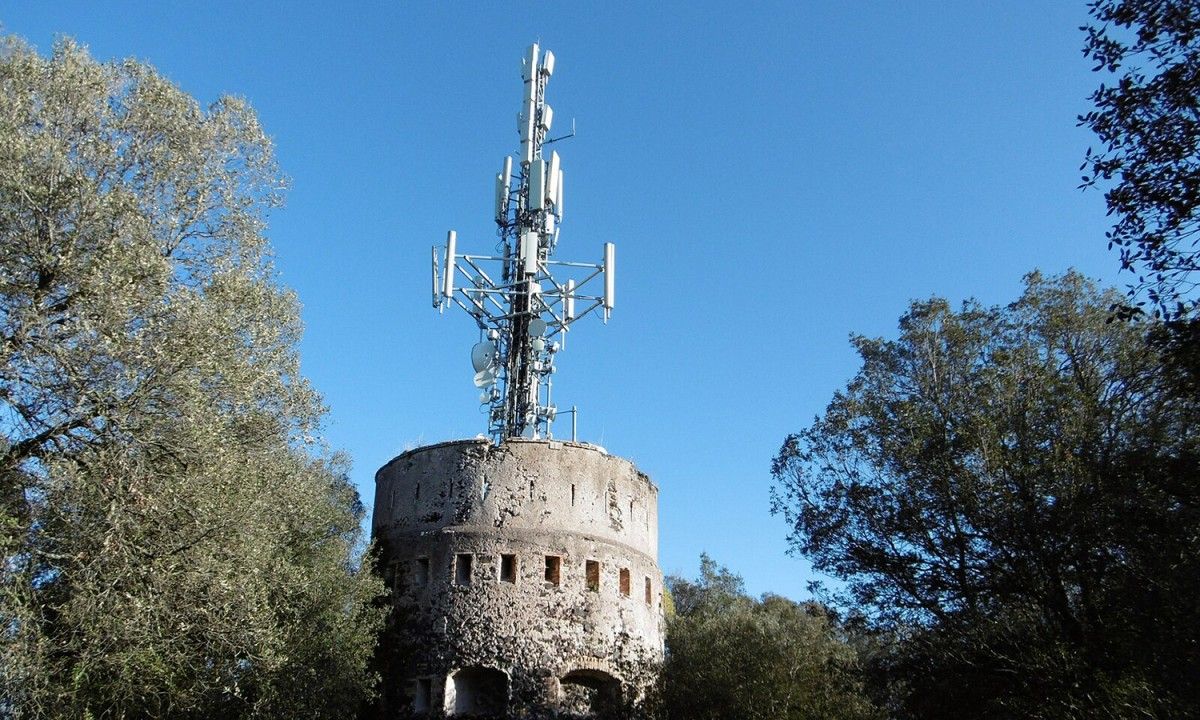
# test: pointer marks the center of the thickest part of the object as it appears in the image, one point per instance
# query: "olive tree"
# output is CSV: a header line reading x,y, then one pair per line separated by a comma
x,y
1011,490
176,540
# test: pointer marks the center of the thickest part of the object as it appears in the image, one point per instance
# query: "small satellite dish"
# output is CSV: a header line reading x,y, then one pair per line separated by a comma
x,y
538,344
484,378
537,327
482,356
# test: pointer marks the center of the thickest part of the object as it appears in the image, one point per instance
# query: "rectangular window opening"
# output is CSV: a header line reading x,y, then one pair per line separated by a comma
x,y
398,577
508,568
593,575
572,494
625,582
422,692
649,593
553,569
421,572
462,569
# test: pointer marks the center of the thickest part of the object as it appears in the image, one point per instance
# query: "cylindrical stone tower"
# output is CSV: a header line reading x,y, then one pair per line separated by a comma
x,y
525,578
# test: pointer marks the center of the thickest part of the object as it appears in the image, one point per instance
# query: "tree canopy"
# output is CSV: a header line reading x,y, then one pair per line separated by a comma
x,y
1148,123
1011,491
731,656
176,541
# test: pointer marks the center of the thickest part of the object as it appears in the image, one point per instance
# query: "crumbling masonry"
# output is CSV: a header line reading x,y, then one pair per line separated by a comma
x,y
525,578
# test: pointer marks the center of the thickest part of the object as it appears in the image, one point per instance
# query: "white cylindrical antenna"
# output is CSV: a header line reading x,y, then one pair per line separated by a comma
x,y
569,301
507,173
610,275
537,184
451,246
552,173
547,117
558,192
548,63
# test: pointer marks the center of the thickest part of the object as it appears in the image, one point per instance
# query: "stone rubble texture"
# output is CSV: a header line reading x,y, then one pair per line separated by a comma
x,y
564,650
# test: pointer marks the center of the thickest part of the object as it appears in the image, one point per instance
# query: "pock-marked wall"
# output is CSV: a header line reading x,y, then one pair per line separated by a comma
x,y
525,577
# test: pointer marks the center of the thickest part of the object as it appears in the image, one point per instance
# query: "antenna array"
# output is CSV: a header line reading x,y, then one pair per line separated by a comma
x,y
523,310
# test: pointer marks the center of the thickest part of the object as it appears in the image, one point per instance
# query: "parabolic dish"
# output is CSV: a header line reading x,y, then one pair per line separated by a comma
x,y
485,378
537,327
482,355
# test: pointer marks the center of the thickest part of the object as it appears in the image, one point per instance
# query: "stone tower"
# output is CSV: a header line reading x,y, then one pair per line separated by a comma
x,y
525,576
524,569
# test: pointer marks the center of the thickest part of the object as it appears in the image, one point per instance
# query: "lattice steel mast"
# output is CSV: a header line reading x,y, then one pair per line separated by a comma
x,y
523,308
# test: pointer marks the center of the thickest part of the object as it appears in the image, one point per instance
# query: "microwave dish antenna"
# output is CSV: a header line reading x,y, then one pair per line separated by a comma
x,y
523,300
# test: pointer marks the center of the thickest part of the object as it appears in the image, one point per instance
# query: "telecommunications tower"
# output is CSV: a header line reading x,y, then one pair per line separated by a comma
x,y
523,569
523,301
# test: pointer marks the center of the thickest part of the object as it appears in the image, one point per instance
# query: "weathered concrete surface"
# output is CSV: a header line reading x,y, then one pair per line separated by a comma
x,y
484,625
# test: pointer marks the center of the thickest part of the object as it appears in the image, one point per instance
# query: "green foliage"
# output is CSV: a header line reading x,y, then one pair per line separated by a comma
x,y
175,543
730,656
1148,122
1008,493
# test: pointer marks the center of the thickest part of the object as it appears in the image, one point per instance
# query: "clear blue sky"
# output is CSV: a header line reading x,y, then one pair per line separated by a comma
x,y
776,176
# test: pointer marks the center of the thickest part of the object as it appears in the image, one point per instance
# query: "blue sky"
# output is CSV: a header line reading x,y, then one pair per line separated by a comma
x,y
776,176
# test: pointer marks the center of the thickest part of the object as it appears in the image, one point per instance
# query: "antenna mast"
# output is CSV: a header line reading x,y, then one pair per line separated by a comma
x,y
523,310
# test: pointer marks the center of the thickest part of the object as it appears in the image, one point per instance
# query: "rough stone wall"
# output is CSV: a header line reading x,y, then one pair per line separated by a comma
x,y
571,634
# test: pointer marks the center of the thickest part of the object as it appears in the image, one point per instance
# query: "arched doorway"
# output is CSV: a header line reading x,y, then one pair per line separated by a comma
x,y
588,693
477,691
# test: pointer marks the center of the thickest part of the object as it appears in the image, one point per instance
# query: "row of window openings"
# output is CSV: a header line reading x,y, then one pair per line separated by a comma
x,y
464,566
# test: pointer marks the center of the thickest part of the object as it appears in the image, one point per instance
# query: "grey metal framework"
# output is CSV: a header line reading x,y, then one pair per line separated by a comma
x,y
523,301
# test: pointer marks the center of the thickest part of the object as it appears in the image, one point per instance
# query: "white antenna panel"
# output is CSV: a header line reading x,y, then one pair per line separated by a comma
x,y
610,275
529,252
507,173
527,122
569,301
537,184
451,247
548,64
552,173
501,200
558,199
437,287
531,63
547,117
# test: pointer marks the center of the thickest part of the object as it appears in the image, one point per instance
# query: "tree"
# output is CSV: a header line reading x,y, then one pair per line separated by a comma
x,y
730,656
1148,123
175,541
1011,492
